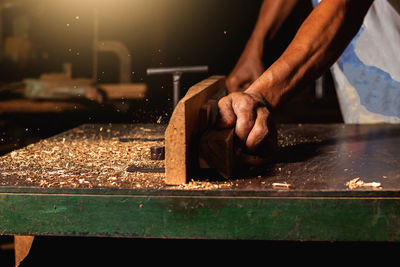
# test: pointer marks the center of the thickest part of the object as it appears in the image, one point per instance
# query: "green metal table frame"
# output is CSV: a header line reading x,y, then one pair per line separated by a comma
x,y
130,213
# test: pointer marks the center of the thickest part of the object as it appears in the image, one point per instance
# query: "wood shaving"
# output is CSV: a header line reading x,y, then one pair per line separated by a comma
x,y
281,185
288,139
357,182
204,185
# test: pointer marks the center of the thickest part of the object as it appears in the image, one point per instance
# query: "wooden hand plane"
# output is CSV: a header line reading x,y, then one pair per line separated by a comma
x,y
191,141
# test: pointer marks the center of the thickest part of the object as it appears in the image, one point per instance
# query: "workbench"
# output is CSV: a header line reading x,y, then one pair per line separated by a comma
x,y
48,189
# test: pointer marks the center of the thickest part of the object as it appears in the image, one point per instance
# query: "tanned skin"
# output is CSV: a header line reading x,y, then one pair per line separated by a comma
x,y
249,67
319,42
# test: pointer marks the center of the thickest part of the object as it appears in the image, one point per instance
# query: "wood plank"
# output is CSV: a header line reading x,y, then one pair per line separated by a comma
x,y
43,106
124,90
184,128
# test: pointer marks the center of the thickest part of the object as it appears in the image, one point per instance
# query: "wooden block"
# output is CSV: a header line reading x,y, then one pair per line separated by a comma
x,y
208,115
183,131
216,151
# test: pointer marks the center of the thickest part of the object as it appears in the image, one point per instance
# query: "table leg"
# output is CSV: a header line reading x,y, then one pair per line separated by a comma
x,y
22,245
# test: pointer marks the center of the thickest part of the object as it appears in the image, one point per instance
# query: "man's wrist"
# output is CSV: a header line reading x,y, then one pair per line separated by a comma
x,y
265,87
255,46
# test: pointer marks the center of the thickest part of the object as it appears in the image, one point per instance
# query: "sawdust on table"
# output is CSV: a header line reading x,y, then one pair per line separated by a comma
x,y
77,159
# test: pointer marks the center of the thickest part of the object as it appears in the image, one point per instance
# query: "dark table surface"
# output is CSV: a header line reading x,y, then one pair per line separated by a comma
x,y
315,159
325,157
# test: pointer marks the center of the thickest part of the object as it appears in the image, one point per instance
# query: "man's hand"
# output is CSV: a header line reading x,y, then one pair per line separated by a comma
x,y
248,113
249,66
247,70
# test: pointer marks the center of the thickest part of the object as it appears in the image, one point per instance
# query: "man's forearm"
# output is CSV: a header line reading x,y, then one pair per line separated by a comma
x,y
318,43
271,17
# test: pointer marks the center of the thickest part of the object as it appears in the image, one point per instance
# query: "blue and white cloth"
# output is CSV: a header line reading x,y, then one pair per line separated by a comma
x,y
367,74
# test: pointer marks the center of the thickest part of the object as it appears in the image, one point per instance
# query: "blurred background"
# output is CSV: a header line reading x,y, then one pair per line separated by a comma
x,y
65,63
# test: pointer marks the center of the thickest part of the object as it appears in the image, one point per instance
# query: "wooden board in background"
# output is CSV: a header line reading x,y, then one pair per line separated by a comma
x,y
124,90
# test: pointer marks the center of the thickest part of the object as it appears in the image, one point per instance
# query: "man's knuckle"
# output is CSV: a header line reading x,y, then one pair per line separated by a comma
x,y
221,102
225,102
260,131
244,124
244,103
232,80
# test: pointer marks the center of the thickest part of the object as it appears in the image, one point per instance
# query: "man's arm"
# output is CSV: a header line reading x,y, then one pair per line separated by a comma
x,y
249,66
318,43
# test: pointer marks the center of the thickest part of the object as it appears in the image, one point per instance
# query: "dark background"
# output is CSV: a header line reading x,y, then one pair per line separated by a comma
x,y
157,33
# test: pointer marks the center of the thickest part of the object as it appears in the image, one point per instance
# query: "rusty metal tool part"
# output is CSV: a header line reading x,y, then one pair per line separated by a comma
x,y
176,76
157,153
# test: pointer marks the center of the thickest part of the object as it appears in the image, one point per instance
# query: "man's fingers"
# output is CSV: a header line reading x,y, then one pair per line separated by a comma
x,y
232,83
253,123
260,130
227,116
244,110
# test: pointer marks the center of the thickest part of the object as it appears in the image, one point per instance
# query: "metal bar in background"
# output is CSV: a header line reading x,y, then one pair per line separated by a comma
x,y
176,76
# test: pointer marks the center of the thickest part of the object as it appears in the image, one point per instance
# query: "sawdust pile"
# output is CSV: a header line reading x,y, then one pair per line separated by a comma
x,y
94,158
79,161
